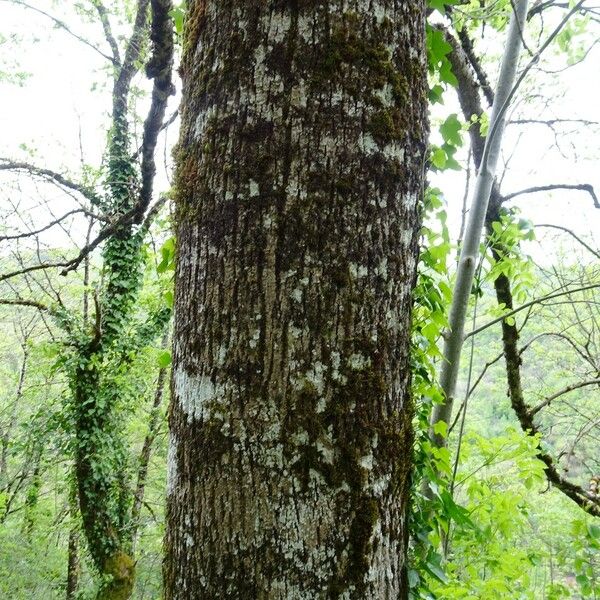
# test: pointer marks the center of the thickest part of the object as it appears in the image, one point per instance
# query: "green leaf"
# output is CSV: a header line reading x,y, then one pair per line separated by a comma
x,y
168,297
167,252
446,74
440,5
413,578
436,571
594,531
164,359
178,16
441,428
459,514
438,158
435,94
451,130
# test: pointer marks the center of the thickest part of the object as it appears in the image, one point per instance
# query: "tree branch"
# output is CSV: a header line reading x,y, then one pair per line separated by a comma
x,y
103,14
19,236
467,46
584,187
20,302
572,234
551,122
134,47
528,304
159,68
62,25
9,165
562,392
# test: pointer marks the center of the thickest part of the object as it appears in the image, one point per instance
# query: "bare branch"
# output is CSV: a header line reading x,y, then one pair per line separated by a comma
x,y
134,48
72,264
572,234
18,236
21,302
584,187
467,46
552,122
103,14
531,303
153,212
9,165
164,126
562,392
159,68
62,25
31,269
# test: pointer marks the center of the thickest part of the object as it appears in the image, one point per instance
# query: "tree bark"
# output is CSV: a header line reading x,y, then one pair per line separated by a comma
x,y
5,433
73,564
300,168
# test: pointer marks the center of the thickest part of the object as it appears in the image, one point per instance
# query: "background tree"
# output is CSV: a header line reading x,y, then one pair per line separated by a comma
x,y
503,238
98,350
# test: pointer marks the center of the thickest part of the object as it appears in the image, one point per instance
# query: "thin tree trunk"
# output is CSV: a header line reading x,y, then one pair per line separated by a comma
x,y
6,433
32,497
73,564
300,166
470,248
144,459
73,560
512,356
100,455
471,106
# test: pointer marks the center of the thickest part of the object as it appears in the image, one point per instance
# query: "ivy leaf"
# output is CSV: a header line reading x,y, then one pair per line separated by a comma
x,y
435,94
167,252
168,296
178,16
583,581
440,5
594,531
446,74
438,48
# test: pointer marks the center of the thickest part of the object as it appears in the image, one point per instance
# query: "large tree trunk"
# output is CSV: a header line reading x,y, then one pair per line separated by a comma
x,y
300,167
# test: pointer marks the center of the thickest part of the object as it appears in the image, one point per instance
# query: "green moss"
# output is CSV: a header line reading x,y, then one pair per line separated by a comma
x,y
368,57
344,185
120,571
194,20
187,179
382,128
340,275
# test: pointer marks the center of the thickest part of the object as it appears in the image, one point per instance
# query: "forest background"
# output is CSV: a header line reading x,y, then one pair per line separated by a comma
x,y
491,526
